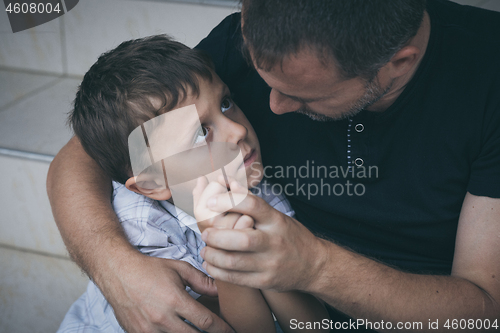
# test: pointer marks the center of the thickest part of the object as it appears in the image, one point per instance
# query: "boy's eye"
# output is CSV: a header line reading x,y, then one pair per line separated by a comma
x,y
226,104
201,135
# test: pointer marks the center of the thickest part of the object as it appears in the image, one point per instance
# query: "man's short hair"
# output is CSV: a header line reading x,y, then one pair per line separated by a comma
x,y
360,35
135,82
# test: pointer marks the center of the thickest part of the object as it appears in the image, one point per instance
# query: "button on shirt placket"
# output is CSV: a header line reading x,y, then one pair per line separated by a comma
x,y
352,155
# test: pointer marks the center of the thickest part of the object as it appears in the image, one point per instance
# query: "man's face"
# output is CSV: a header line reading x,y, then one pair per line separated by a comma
x,y
303,84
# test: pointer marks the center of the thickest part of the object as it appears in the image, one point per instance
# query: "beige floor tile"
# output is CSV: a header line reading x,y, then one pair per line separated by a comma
x,y
38,48
36,291
38,123
15,85
96,26
26,220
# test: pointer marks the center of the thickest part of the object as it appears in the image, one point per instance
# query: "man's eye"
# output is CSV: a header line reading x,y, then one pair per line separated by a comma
x,y
201,135
226,104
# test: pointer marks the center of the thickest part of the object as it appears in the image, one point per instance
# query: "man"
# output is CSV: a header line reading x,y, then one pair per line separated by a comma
x,y
414,94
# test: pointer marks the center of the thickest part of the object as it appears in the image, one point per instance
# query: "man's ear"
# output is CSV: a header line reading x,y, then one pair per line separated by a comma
x,y
149,188
403,61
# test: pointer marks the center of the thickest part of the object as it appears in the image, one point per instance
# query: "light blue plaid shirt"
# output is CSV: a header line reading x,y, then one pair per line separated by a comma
x,y
157,229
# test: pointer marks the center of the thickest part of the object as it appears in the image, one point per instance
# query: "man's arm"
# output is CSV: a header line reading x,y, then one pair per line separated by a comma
x,y
283,254
147,294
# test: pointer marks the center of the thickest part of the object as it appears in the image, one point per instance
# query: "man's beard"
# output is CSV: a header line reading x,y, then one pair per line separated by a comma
x,y
373,93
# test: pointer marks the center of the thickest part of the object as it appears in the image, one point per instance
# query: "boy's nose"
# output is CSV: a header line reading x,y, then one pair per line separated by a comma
x,y
234,132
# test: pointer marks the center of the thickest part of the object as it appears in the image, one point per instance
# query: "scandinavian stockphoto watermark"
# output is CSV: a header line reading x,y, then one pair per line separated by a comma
x,y
310,180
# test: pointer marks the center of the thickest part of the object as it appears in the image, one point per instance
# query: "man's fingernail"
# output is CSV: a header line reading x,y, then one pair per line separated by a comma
x,y
204,237
204,265
202,253
211,202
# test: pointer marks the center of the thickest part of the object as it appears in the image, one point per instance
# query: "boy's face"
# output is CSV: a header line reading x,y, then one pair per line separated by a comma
x,y
205,134
223,121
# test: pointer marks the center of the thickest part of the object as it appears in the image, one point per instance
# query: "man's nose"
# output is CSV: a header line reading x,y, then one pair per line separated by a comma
x,y
281,104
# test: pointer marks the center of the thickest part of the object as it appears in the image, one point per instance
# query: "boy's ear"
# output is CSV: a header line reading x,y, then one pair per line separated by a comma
x,y
150,189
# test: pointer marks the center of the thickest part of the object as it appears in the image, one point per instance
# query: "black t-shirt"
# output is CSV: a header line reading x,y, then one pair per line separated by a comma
x,y
438,141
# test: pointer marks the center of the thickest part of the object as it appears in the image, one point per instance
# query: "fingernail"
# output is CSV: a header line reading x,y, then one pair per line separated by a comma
x,y
211,202
204,237
204,265
202,253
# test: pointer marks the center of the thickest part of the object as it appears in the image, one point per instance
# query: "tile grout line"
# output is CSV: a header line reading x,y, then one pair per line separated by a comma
x,y
27,155
39,72
41,253
32,93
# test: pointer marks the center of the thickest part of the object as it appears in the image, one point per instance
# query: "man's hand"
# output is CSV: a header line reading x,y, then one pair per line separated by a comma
x,y
279,254
152,297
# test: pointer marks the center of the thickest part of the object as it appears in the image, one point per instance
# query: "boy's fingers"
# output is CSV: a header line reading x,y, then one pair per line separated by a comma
x,y
244,222
250,205
236,187
201,184
221,180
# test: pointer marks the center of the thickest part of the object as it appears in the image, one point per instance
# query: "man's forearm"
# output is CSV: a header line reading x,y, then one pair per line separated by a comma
x,y
80,196
365,289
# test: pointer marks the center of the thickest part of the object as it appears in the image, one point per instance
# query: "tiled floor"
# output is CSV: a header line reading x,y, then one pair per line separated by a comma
x,y
40,70
37,122
37,280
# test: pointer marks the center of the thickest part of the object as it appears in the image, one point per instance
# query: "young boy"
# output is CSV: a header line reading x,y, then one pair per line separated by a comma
x,y
126,91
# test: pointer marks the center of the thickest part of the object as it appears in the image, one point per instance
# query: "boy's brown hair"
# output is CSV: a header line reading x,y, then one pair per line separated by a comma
x,y
120,92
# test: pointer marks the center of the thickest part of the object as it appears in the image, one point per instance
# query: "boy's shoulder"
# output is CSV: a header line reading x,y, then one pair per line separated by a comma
x,y
130,205
137,212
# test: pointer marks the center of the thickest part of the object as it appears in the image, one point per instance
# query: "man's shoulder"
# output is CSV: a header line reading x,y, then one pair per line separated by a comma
x,y
466,43
478,23
223,44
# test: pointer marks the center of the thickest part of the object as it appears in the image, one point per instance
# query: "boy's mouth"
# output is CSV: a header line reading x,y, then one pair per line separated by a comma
x,y
250,158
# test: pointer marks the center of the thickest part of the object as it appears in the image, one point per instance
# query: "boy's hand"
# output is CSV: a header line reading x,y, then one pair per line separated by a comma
x,y
201,193
209,219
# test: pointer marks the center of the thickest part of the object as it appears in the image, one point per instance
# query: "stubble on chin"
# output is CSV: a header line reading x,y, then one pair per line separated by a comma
x,y
373,93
